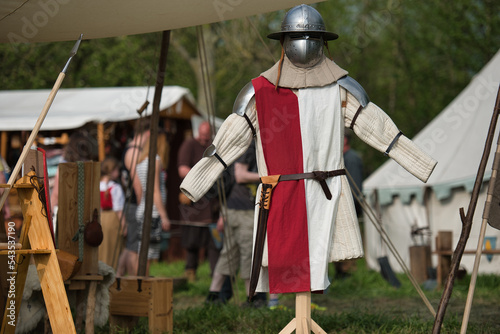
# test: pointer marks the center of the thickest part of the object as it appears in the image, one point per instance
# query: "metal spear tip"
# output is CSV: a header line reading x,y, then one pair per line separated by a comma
x,y
77,45
73,52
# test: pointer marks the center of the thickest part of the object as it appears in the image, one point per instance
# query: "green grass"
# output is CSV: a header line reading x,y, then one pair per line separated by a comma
x,y
361,303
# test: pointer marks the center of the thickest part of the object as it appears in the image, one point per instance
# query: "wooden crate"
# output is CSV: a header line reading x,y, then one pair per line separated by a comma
x,y
149,297
420,262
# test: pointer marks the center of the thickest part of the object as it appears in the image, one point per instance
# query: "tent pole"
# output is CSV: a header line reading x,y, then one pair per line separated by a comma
x,y
155,117
477,260
466,222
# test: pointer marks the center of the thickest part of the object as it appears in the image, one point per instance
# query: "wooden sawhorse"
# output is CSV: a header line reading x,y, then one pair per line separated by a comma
x,y
35,240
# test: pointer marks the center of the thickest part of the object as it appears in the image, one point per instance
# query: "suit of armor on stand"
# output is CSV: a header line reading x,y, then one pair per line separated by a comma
x,y
296,112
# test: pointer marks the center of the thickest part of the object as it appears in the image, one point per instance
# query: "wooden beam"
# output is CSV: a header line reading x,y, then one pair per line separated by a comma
x,y
100,141
3,140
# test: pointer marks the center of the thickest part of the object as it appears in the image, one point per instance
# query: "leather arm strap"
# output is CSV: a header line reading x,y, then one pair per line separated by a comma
x,y
386,153
355,117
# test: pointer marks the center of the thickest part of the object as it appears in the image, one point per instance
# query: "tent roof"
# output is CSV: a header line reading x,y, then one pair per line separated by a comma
x,y
48,21
455,138
73,107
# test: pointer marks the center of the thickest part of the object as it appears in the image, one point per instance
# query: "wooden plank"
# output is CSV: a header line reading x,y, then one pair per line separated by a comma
x,y
5,245
68,211
27,251
154,300
34,162
161,306
420,260
303,312
87,278
23,185
21,267
468,252
290,328
100,141
443,243
89,316
67,215
47,265
3,141
128,300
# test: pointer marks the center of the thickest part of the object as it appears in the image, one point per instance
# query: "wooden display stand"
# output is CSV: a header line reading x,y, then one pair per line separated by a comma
x,y
142,297
302,323
67,227
67,215
36,240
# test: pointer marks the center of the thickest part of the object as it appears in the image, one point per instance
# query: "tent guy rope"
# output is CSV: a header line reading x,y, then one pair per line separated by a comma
x,y
377,222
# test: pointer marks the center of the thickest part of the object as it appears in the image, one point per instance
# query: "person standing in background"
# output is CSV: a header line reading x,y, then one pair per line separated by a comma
x,y
196,234
237,248
129,258
112,203
353,165
160,220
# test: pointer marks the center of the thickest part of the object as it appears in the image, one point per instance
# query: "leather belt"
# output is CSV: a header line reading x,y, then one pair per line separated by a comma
x,y
268,184
316,175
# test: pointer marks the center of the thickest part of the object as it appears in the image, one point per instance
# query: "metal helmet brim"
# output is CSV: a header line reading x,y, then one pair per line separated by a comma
x,y
303,19
327,36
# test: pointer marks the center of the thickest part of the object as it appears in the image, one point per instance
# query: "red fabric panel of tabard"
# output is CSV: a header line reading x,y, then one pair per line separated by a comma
x,y
287,237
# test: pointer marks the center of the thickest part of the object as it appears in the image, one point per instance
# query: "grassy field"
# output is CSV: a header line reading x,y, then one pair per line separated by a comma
x,y
361,303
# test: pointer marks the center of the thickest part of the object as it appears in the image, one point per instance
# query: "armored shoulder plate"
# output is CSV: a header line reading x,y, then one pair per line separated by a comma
x,y
243,98
353,87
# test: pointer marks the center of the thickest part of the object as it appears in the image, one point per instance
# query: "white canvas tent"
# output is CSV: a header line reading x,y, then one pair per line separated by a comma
x,y
74,107
456,139
58,20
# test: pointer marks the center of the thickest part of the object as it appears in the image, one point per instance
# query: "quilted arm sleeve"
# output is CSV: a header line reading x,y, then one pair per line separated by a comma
x,y
375,128
231,141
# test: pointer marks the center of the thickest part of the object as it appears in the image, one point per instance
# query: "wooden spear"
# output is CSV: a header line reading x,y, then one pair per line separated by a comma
x,y
484,223
148,209
38,124
466,223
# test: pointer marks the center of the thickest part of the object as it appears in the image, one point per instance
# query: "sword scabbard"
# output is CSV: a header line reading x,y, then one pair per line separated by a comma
x,y
268,184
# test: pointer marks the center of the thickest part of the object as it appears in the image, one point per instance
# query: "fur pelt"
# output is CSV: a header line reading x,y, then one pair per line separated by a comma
x,y
33,310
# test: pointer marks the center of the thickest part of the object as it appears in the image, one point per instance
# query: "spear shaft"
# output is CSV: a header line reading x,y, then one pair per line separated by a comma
x,y
38,124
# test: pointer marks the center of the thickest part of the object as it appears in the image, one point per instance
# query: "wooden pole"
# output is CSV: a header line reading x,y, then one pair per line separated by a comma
x,y
146,230
3,149
466,222
482,233
100,141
